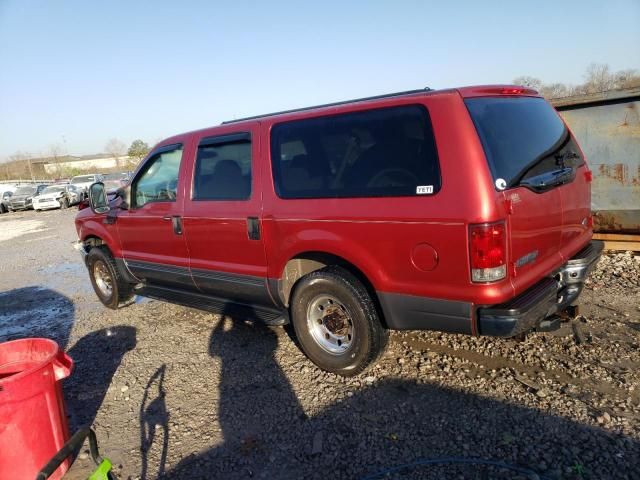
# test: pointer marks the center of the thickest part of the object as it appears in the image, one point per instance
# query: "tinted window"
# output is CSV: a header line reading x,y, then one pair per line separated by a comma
x,y
158,181
376,153
223,171
522,136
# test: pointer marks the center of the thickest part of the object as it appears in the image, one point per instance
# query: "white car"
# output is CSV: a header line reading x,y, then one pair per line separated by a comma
x,y
56,196
83,182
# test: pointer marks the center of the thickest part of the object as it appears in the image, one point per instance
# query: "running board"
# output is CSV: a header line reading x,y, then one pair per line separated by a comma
x,y
221,306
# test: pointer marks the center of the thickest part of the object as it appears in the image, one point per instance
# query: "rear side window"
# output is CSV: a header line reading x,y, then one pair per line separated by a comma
x,y
223,168
522,137
376,153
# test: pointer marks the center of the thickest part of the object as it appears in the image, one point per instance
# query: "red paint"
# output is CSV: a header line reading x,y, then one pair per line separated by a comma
x,y
378,236
33,419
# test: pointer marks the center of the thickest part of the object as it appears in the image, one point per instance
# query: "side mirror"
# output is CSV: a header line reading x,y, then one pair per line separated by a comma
x,y
98,198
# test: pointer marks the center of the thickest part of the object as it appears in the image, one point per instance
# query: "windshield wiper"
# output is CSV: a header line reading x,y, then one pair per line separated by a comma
x,y
547,180
564,140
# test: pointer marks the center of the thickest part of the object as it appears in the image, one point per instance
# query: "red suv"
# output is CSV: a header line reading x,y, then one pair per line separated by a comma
x,y
464,210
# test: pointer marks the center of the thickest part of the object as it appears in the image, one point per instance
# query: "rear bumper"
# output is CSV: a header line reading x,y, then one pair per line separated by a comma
x,y
543,300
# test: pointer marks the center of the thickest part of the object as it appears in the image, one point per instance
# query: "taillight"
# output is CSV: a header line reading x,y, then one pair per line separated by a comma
x,y
83,204
488,252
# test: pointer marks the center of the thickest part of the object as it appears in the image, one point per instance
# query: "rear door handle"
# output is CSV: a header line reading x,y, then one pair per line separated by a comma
x,y
253,228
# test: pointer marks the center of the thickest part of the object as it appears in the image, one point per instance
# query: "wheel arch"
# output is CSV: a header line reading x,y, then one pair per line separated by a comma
x,y
307,262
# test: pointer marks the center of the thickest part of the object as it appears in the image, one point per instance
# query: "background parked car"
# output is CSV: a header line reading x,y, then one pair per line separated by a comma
x,y
56,196
22,198
4,201
114,181
82,182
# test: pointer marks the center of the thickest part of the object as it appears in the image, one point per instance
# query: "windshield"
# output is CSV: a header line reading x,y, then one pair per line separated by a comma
x,y
53,189
25,191
522,137
83,179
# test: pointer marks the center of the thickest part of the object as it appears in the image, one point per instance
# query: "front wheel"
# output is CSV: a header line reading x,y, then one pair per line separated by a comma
x,y
110,287
336,321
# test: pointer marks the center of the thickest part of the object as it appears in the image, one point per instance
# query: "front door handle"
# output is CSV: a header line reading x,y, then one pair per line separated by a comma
x,y
176,223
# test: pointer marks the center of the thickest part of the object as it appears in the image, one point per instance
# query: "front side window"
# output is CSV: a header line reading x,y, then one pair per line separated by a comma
x,y
223,168
158,181
376,153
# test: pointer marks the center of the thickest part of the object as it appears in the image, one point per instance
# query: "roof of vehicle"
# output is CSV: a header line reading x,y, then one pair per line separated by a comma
x,y
473,91
466,92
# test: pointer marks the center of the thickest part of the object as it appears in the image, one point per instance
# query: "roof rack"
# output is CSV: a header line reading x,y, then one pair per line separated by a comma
x,y
335,104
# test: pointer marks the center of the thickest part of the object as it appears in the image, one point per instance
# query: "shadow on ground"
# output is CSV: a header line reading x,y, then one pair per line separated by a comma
x,y
40,312
267,434
36,312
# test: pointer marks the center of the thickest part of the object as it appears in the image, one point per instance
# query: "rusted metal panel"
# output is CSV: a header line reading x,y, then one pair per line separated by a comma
x,y
607,127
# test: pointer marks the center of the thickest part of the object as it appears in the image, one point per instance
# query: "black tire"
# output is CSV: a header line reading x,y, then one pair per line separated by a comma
x,y
103,270
3,209
353,303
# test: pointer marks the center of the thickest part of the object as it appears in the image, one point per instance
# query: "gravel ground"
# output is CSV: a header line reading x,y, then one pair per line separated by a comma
x,y
177,393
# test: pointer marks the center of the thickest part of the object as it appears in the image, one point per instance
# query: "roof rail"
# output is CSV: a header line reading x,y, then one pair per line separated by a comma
x,y
335,104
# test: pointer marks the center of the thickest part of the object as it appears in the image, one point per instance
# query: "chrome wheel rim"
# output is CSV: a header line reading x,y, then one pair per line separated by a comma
x,y
330,324
103,278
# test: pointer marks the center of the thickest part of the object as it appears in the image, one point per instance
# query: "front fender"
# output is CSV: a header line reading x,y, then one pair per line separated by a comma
x,y
95,227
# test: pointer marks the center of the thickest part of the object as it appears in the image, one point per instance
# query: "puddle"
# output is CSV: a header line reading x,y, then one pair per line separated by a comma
x,y
70,267
16,229
35,312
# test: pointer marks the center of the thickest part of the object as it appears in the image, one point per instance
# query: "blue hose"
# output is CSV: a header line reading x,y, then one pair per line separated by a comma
x,y
459,460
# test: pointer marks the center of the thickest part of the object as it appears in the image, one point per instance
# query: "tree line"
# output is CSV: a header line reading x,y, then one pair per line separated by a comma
x,y
25,166
598,78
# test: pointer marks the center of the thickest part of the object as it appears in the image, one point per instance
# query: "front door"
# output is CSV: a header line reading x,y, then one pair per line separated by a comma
x,y
151,231
222,217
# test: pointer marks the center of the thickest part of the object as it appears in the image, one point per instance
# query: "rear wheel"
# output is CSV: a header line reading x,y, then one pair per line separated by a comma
x,y
336,321
109,285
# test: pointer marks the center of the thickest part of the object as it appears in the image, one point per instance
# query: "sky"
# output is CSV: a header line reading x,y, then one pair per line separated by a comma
x,y
78,73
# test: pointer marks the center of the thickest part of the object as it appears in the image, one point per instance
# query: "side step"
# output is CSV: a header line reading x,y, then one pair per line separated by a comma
x,y
270,316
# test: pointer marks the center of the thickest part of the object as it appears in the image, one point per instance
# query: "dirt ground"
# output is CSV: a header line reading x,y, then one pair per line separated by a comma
x,y
174,392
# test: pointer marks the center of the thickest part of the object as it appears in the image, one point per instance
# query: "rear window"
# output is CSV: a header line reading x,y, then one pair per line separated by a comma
x,y
522,137
376,153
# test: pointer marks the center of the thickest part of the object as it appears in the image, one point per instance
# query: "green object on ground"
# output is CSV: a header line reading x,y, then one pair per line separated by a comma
x,y
101,472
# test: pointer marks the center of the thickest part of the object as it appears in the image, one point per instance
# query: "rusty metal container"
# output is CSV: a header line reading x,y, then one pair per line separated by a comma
x,y
607,126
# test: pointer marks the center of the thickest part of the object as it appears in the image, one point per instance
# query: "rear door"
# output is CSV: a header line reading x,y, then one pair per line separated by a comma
x,y
534,160
222,216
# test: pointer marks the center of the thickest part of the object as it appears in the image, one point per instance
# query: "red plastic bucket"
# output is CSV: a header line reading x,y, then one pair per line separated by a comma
x,y
33,421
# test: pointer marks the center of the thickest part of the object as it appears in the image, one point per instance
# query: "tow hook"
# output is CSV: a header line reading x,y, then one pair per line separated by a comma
x,y
549,324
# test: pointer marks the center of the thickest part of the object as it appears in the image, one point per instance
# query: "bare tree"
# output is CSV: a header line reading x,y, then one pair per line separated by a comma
x,y
556,90
20,159
55,152
598,78
527,81
116,149
628,78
